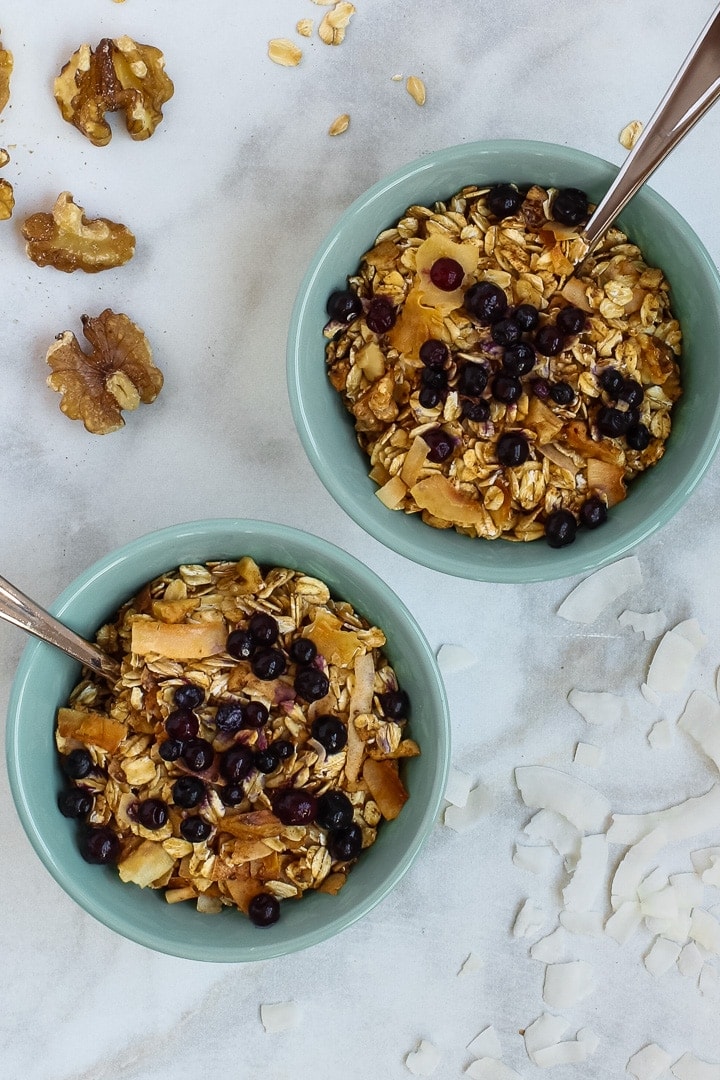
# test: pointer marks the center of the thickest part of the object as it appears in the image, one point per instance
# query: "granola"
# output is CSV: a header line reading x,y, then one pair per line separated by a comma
x,y
251,746
494,390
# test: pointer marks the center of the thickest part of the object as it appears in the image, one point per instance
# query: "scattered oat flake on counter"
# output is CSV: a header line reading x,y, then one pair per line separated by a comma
x,y
416,89
454,658
700,719
630,134
489,1068
588,755
594,594
461,818
284,52
283,1016
304,27
332,28
339,125
690,1067
423,1061
650,624
597,706
649,1063
673,657
549,789
458,787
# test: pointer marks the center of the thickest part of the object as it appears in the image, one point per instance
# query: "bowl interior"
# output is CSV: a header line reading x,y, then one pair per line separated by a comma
x,y
45,677
326,429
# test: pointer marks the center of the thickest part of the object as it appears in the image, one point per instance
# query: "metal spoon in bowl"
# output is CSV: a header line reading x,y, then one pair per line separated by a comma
x,y
20,610
695,88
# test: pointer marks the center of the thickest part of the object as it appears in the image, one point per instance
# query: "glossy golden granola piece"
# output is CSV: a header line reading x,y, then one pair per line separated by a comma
x,y
117,375
69,241
6,66
7,200
120,75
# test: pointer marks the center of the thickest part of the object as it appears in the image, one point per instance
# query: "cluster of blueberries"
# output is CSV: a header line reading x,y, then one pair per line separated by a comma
x,y
293,806
518,333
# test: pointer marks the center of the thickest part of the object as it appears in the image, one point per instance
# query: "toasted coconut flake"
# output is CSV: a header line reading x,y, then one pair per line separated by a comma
x,y
589,874
567,984
649,1063
283,1016
423,1061
486,1044
594,594
689,818
650,624
550,789
597,707
454,658
701,720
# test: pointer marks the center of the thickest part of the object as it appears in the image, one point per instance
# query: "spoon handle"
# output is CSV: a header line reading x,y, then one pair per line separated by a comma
x,y
695,88
20,610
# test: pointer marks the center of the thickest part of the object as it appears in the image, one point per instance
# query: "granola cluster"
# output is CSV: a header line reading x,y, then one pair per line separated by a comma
x,y
251,746
501,446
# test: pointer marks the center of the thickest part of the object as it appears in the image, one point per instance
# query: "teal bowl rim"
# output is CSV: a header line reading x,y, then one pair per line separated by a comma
x,y
381,525
202,532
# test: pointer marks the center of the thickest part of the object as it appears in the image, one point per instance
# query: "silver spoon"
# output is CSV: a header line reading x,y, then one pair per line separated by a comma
x,y
20,610
695,88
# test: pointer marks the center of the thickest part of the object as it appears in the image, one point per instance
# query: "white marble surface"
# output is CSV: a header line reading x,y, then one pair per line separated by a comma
x,y
228,200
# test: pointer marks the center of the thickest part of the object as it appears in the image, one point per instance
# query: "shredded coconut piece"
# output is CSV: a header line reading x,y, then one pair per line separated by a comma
x,y
690,1067
471,965
566,984
283,1016
593,595
461,818
454,658
550,789
423,1061
486,1044
649,1063
701,720
538,860
588,755
549,826
582,922
690,960
674,655
650,624
662,735
597,706
458,787
589,874
662,956
488,1068
680,822
528,920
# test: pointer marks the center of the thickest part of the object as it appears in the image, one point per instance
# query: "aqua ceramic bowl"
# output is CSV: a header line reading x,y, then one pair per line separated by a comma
x,y
327,431
46,676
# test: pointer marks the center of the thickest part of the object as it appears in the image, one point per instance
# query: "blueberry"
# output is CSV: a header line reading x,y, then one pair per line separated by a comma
x,y
182,725
562,393
505,332
506,388
283,748
429,397
263,629
152,813
395,704
188,791
549,341
229,717
231,794
519,359
611,381
593,512
436,378
441,445
75,803
638,437
268,664
240,644
611,422
343,305
570,320
195,829
502,200
486,302
381,315
255,714
330,732
294,806
560,528
540,388
198,755
631,392
311,684
236,764
434,353
345,844
77,764
264,909
99,845
170,749
472,379
447,274
526,316
570,206
512,449
267,760
476,411
188,696
302,650
334,810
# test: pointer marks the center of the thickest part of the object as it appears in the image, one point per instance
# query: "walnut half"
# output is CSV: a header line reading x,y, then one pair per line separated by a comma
x,y
120,75
67,240
117,375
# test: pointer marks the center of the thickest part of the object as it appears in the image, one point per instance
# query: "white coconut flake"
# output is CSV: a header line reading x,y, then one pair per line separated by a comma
x,y
705,929
662,904
704,859
546,1031
590,923
462,818
650,624
673,657
589,1038
282,1016
662,956
690,960
471,965
538,860
690,629
458,787
680,822
711,876
634,864
662,735
423,1061
597,706
592,596
548,826
486,1044
700,719
589,874
689,890
549,789
488,1068
649,1063
551,949
690,1067
650,695
675,929
653,883
623,923
454,658
529,920
588,755
567,984
570,1052
709,980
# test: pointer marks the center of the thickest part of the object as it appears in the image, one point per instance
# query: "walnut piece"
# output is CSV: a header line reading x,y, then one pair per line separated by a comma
x,y
6,66
67,240
7,200
120,75
118,374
